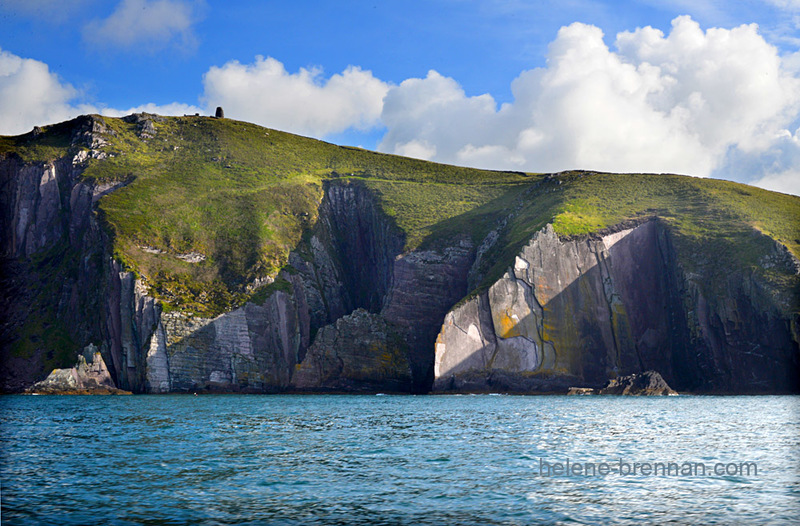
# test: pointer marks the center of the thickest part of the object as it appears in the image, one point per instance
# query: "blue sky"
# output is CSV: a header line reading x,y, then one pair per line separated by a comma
x,y
658,86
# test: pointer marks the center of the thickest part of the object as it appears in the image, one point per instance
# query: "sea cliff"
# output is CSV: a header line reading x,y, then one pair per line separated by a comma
x,y
500,301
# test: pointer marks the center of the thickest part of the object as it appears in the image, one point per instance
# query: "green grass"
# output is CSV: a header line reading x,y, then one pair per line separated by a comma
x,y
245,196
715,224
433,211
265,291
53,142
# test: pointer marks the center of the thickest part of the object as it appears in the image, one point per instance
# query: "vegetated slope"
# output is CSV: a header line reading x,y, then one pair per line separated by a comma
x,y
347,263
239,197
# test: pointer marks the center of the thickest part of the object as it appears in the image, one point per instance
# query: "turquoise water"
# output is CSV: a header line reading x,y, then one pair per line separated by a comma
x,y
395,459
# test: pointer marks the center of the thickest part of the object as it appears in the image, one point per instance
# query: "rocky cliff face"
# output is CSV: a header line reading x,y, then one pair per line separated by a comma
x,y
52,252
252,348
579,312
358,313
426,284
361,351
356,262
351,262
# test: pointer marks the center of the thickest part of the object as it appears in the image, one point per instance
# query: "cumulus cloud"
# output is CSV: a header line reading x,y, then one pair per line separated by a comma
x,y
434,118
658,103
780,165
265,93
31,95
148,25
787,182
173,108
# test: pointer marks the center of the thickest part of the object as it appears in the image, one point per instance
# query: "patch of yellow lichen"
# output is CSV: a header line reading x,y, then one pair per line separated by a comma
x,y
543,291
389,362
548,328
508,326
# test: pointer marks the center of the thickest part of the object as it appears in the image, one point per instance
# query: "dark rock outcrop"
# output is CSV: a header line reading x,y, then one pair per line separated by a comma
x,y
89,376
648,383
145,123
360,352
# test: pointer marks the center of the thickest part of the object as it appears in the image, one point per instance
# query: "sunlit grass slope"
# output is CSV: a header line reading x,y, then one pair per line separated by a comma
x,y
242,196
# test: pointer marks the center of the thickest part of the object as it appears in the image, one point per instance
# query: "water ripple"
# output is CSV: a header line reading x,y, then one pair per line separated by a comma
x,y
393,459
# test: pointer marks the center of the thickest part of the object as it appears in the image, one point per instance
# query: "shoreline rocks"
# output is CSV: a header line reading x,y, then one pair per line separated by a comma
x,y
648,383
89,376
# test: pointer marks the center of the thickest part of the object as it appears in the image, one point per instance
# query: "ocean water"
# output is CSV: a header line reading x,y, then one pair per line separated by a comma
x,y
232,459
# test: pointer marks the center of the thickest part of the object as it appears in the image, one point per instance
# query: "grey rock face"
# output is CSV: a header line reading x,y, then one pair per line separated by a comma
x,y
360,352
131,319
362,243
582,311
157,362
88,375
555,305
36,209
253,348
426,284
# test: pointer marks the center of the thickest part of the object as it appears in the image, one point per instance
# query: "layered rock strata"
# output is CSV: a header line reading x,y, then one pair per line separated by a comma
x,y
579,312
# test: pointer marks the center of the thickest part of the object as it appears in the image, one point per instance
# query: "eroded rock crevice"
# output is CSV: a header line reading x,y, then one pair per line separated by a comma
x,y
357,263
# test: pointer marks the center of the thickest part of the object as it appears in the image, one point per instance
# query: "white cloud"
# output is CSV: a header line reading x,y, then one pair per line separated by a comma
x,y
780,165
677,103
434,117
265,93
173,108
148,25
31,95
415,149
787,182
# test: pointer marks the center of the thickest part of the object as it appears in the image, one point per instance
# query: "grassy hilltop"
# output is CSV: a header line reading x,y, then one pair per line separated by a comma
x,y
243,197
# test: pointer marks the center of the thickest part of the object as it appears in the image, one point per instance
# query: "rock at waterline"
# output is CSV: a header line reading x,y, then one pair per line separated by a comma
x,y
648,383
89,376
